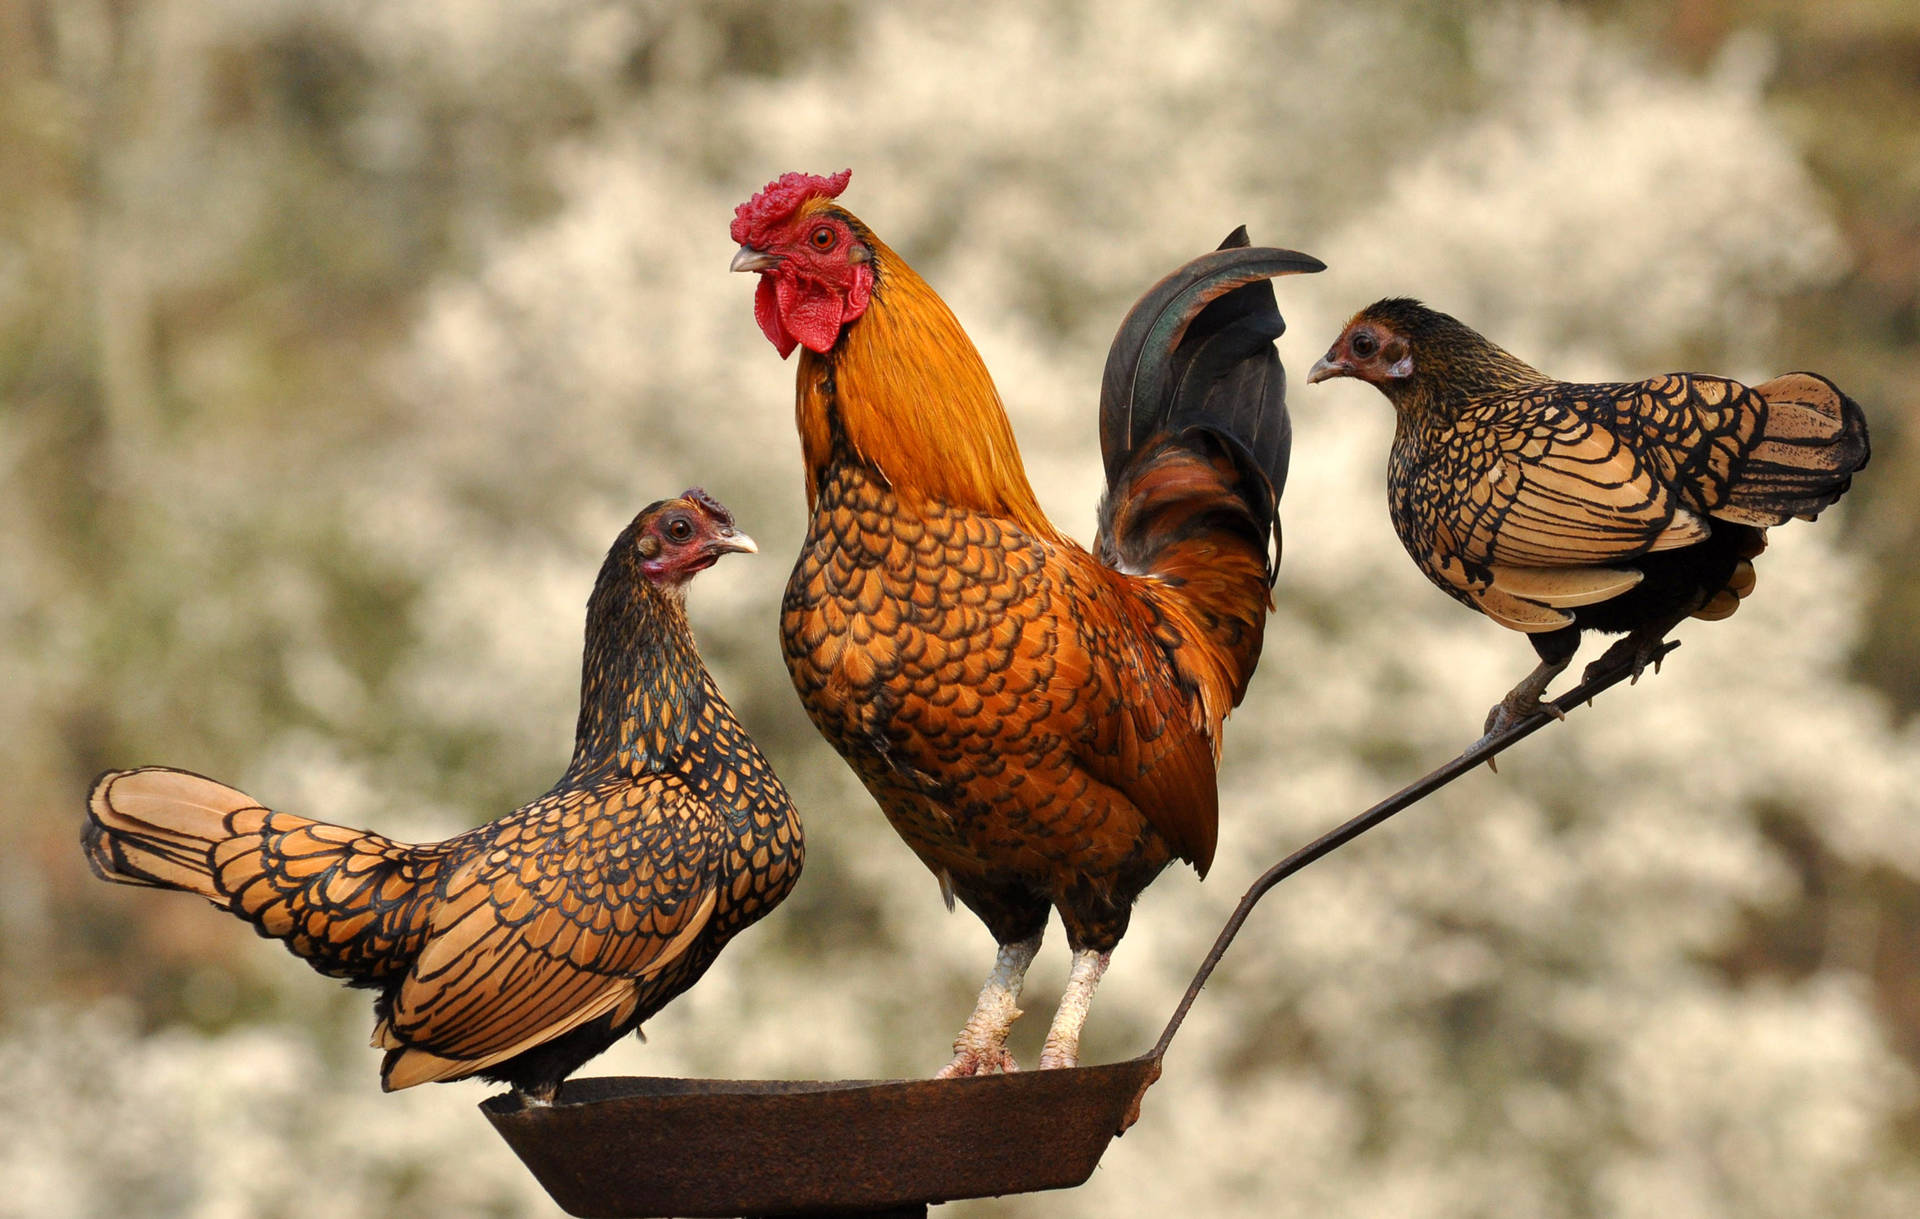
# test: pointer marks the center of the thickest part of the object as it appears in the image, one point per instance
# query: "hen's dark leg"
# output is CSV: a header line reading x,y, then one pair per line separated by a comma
x,y
1555,649
537,1096
1636,651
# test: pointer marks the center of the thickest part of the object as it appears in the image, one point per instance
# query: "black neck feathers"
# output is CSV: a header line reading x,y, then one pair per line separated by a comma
x,y
641,681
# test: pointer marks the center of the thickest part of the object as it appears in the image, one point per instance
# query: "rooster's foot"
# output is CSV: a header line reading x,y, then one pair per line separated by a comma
x,y
1063,1039
978,1060
981,1047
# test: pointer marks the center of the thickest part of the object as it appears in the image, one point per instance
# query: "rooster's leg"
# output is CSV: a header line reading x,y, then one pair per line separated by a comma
x,y
981,1047
1063,1039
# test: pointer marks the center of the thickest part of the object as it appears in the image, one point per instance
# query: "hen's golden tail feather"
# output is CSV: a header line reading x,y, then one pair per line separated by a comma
x,y
157,827
346,901
1195,433
1813,440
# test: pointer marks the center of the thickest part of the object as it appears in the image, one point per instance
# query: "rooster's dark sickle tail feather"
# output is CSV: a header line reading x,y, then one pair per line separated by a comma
x,y
1197,350
1194,429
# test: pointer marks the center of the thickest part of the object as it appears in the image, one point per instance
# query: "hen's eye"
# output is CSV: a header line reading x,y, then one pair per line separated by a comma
x,y
679,529
822,237
1364,344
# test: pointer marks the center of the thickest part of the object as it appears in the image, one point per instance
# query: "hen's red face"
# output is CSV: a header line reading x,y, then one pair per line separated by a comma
x,y
679,538
1367,350
816,273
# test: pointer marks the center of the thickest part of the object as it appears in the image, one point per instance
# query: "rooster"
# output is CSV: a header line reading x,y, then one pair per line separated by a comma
x,y
520,949
1554,508
1041,724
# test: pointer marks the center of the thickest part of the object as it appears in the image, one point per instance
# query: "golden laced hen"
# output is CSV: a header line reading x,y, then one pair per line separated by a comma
x,y
1554,508
520,949
1039,722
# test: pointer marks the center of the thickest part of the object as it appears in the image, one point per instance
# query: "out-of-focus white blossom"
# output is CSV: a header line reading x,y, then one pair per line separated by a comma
x,y
1501,1004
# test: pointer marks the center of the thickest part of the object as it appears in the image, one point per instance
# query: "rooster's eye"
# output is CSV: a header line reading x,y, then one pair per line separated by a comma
x,y
1364,344
679,529
822,237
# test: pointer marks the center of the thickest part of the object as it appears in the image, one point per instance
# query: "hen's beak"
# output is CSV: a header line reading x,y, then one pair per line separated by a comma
x,y
734,542
1326,368
749,259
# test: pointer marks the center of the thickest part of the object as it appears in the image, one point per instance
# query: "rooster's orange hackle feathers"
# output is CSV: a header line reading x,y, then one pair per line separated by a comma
x,y
956,445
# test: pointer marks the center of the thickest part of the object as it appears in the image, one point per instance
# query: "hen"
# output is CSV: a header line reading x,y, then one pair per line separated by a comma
x,y
520,949
1039,723
1554,508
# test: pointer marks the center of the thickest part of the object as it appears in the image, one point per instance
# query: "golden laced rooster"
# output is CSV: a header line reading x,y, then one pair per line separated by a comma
x,y
1040,723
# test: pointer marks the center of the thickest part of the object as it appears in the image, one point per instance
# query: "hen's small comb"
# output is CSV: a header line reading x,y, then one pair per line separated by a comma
x,y
714,507
779,199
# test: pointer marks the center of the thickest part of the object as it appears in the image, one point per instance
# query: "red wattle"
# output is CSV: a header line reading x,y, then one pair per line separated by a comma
x,y
766,311
793,309
810,312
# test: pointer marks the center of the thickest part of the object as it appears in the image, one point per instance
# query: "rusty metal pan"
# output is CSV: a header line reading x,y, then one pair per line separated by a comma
x,y
628,1147
637,1148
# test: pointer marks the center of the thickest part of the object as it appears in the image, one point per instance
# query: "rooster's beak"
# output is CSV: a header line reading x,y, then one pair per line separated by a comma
x,y
1326,368
750,259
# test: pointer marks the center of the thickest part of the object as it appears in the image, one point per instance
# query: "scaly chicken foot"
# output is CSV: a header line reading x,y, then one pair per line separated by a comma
x,y
1524,699
1555,649
1063,1039
981,1047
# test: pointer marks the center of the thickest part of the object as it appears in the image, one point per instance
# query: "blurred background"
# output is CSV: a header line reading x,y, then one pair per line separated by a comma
x,y
339,337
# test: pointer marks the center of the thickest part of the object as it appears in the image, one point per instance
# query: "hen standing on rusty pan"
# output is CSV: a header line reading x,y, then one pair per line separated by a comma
x,y
1554,508
1040,724
519,949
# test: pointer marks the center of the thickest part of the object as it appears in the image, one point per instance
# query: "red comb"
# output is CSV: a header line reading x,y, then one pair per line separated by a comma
x,y
714,507
779,199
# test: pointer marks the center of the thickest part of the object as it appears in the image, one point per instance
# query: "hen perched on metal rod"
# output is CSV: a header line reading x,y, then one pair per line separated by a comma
x,y
1555,508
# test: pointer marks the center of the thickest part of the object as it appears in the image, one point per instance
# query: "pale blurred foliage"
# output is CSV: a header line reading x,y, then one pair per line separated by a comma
x,y
364,602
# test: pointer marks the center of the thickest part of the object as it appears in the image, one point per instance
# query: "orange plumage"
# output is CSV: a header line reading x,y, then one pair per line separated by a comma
x,y
1039,722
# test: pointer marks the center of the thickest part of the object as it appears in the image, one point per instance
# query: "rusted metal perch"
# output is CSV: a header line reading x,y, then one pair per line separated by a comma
x,y
639,1147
